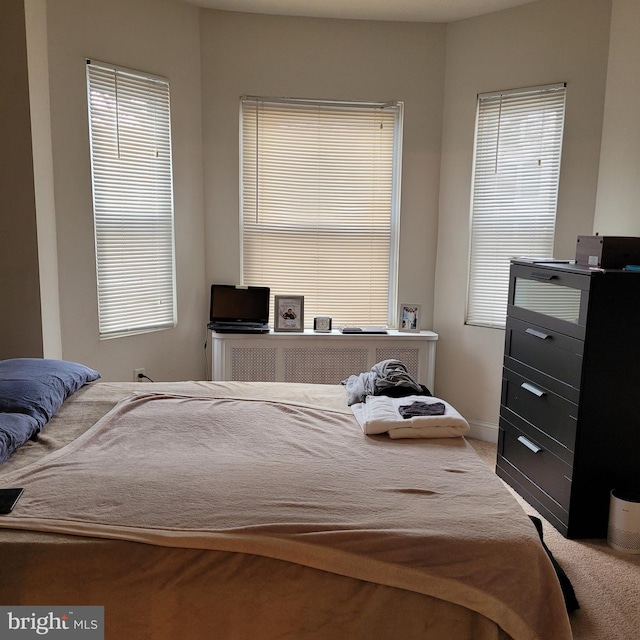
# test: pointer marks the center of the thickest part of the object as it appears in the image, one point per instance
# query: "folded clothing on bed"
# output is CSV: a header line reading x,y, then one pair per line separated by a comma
x,y
389,378
380,414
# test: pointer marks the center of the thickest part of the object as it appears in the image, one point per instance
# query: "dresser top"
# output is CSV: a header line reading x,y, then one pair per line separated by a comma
x,y
568,266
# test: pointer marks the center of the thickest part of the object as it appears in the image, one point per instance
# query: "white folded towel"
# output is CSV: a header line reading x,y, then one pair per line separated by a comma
x,y
380,414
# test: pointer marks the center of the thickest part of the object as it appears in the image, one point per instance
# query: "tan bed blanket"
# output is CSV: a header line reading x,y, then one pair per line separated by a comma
x,y
304,485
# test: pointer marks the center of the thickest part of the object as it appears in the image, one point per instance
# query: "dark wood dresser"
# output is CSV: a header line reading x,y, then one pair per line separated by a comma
x,y
570,408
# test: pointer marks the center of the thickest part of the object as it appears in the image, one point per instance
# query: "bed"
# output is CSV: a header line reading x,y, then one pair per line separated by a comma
x,y
242,510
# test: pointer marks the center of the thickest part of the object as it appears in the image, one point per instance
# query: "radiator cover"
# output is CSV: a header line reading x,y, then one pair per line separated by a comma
x,y
319,358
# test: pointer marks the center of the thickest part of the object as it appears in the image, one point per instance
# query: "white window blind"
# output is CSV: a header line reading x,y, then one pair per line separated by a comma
x,y
130,134
320,205
518,149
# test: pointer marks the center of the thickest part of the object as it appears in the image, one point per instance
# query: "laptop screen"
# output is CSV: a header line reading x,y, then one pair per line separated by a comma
x,y
231,303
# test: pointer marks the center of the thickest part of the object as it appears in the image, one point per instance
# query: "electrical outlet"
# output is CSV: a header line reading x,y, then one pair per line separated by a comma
x,y
138,375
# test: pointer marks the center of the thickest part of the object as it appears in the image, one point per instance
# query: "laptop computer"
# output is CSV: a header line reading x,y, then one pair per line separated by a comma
x,y
239,309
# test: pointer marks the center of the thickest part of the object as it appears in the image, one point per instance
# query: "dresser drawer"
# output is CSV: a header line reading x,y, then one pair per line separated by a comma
x,y
545,470
550,297
532,432
558,516
553,353
549,412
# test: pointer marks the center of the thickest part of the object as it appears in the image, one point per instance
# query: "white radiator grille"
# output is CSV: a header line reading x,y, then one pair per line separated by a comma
x,y
316,365
323,366
410,357
253,363
319,358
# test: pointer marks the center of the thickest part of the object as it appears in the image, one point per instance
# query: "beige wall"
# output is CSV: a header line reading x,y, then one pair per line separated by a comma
x,y
340,59
160,37
20,320
618,201
544,42
38,61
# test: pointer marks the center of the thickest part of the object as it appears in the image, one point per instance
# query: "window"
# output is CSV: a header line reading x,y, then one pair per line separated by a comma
x,y
320,204
130,135
515,190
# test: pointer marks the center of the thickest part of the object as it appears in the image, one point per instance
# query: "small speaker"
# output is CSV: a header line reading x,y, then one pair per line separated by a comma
x,y
624,521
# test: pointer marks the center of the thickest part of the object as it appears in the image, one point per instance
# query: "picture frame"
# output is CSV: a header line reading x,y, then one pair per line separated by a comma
x,y
409,317
288,312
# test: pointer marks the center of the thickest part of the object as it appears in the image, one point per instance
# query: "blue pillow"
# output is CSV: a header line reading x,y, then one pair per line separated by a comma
x,y
15,430
36,388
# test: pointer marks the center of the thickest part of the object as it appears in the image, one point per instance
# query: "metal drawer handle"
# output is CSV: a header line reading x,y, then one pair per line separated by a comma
x,y
536,333
531,389
543,276
530,445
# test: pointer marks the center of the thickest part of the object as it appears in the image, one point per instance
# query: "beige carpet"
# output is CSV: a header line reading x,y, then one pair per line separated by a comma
x,y
606,582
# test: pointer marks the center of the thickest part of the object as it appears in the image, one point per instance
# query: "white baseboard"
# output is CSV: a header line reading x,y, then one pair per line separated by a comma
x,y
483,430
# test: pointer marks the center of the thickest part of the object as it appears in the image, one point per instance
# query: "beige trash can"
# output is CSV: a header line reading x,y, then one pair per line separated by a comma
x,y
624,521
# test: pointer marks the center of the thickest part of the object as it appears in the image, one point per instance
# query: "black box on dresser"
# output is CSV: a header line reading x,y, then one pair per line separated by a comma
x,y
569,427
607,252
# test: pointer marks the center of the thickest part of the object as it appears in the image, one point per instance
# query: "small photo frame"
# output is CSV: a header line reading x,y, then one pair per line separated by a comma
x,y
289,313
409,317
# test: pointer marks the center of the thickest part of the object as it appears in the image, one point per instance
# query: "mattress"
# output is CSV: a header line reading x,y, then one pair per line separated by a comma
x,y
312,529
